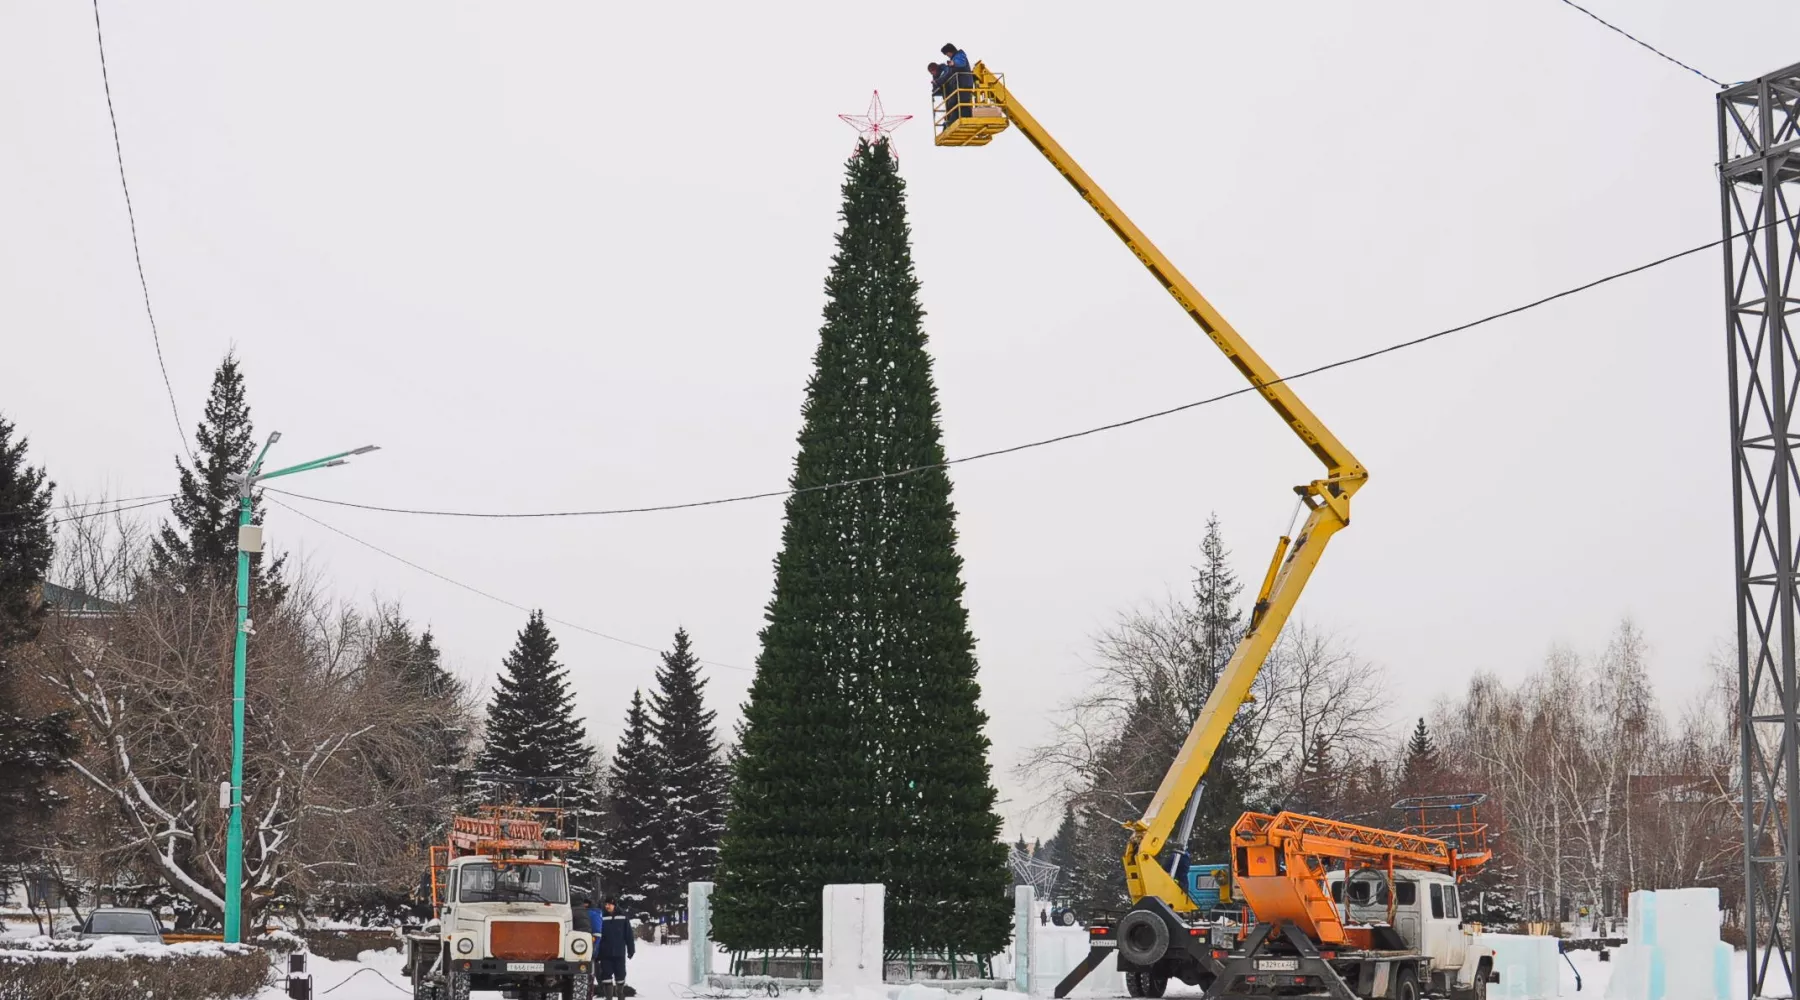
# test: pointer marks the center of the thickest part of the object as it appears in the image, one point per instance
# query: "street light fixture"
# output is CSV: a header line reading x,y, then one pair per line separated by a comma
x,y
249,541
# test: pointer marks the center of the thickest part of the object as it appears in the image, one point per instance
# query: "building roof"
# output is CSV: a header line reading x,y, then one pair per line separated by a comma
x,y
77,602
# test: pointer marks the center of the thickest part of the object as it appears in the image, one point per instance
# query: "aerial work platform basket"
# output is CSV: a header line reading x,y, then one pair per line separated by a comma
x,y
1453,819
967,112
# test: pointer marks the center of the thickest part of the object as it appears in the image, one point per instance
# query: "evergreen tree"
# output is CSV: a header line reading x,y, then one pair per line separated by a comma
x,y
692,810
864,755
1419,771
1218,625
536,751
201,546
417,665
1057,848
637,832
1317,784
32,748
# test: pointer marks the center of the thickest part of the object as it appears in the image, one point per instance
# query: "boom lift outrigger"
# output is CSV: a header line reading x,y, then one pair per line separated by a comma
x,y
975,107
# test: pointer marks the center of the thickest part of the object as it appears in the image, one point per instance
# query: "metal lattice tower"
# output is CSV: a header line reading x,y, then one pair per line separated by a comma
x,y
1027,870
1759,177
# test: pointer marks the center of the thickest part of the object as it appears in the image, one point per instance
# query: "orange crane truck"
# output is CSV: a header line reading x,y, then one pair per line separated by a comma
x,y
500,902
1345,911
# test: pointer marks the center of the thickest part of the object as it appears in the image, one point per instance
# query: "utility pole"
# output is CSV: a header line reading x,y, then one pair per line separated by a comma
x,y
250,541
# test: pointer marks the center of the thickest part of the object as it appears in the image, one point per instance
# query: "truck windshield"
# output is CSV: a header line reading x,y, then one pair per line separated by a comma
x,y
121,923
487,883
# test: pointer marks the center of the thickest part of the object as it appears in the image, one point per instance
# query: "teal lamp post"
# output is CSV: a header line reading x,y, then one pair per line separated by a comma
x,y
249,541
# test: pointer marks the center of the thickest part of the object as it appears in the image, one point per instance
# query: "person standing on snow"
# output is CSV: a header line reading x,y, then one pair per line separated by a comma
x,y
614,943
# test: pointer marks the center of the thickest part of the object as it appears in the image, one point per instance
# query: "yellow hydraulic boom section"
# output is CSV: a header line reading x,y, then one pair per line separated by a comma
x,y
975,107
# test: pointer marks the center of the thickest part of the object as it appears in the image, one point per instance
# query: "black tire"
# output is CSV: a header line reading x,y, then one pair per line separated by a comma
x,y
1143,938
1479,990
1134,984
1406,984
579,987
1155,985
456,985
1065,918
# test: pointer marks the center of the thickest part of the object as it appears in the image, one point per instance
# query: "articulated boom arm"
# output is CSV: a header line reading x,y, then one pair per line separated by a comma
x,y
962,122
1366,846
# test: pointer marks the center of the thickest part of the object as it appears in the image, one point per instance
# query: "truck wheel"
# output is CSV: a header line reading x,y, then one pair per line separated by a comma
x,y
1065,918
456,985
1406,984
578,987
1143,938
1134,984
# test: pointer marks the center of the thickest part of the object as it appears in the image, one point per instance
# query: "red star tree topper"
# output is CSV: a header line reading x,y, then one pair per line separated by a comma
x,y
876,124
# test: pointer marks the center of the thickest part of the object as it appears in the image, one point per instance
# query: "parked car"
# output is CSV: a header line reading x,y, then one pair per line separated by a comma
x,y
119,922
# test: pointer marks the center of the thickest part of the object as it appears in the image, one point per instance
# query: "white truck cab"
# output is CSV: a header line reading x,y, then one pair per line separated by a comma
x,y
1418,911
503,924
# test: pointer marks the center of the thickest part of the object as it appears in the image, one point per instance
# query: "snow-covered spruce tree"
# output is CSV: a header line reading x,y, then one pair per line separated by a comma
x,y
200,548
32,748
535,751
443,739
637,831
864,757
693,773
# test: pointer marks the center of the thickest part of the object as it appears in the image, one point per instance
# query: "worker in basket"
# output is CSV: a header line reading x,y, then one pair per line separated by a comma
x,y
955,82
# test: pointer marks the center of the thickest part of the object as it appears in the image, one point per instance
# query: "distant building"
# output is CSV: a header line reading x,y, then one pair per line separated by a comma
x,y
77,603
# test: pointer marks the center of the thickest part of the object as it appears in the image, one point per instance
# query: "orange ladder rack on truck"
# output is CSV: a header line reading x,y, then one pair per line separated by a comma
x,y
503,833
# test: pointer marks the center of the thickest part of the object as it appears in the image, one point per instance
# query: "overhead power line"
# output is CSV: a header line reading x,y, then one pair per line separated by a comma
x,y
479,592
1645,44
114,510
137,254
9,519
1042,442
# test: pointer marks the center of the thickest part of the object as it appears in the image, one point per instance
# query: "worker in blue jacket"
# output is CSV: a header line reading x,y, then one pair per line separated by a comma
x,y
613,943
958,83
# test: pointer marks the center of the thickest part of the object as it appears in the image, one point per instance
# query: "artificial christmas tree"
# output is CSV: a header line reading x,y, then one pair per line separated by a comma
x,y
863,755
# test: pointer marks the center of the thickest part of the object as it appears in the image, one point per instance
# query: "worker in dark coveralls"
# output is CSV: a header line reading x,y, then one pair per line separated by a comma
x,y
958,83
614,943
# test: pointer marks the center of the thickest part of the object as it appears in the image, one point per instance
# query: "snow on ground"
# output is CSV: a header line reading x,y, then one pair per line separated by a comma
x,y
659,972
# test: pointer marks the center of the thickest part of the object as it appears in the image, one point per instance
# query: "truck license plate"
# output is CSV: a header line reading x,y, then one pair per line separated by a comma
x,y
524,966
1278,965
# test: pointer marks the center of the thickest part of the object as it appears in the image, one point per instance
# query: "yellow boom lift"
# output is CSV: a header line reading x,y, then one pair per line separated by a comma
x,y
972,109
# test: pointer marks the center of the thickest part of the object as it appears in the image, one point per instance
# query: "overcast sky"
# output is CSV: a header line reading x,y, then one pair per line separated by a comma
x,y
571,256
